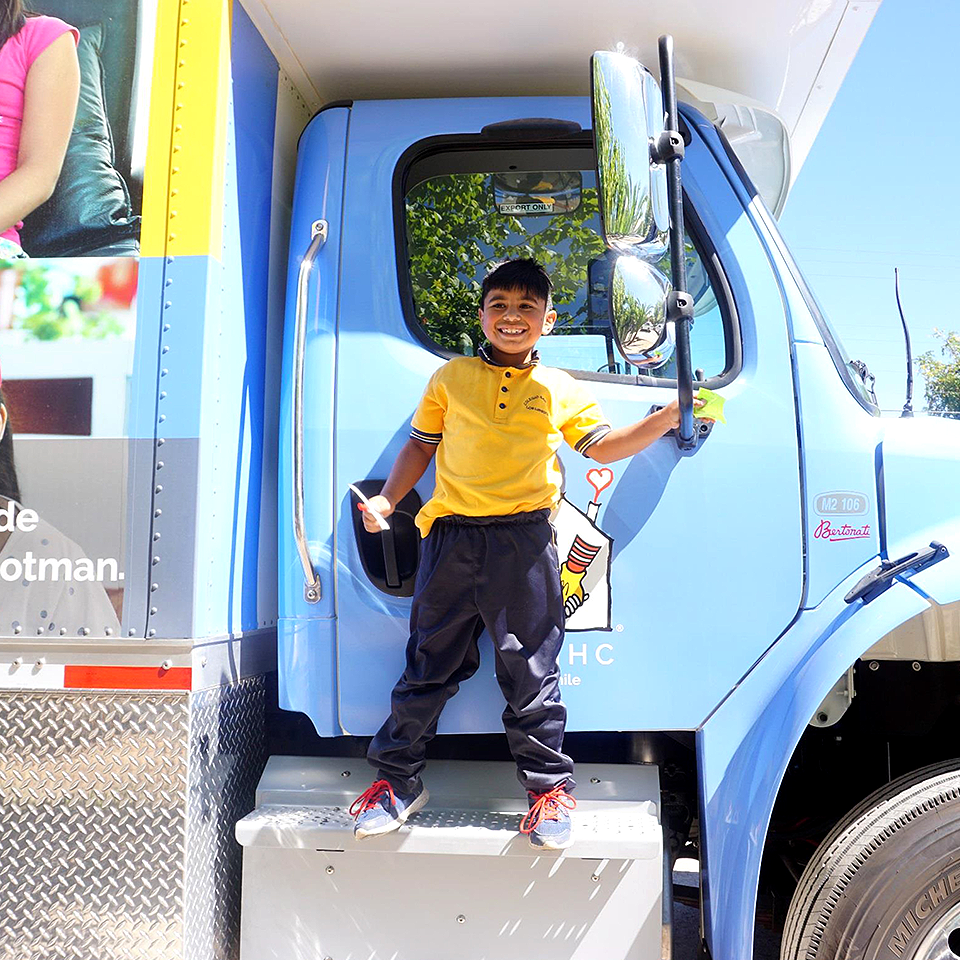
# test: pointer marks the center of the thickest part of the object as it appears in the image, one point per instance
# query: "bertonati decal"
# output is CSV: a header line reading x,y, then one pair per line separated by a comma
x,y
845,531
837,504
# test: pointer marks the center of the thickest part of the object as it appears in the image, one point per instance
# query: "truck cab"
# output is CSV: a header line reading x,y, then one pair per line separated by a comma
x,y
710,557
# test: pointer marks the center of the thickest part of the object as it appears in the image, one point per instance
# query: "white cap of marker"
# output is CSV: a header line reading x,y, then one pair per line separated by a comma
x,y
381,523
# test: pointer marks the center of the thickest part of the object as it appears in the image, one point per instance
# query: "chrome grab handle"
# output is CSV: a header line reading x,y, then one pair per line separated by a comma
x,y
318,236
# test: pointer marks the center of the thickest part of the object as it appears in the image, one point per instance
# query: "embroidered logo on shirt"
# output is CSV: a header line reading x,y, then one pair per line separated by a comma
x,y
537,403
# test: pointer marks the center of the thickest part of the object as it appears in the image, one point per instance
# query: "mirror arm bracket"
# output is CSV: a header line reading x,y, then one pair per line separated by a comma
x,y
668,146
701,430
679,306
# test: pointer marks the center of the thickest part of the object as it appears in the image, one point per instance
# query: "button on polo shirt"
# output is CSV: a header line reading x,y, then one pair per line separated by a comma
x,y
497,431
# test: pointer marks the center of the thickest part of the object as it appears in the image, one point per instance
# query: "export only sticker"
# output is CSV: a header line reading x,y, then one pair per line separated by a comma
x,y
531,206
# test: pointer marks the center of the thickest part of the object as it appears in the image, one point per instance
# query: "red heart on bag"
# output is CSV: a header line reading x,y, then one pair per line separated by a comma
x,y
599,479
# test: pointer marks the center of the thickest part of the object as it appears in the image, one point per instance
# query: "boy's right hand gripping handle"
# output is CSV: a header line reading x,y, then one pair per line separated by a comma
x,y
390,568
367,507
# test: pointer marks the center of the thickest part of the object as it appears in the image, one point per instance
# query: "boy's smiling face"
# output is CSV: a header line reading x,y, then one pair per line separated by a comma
x,y
513,321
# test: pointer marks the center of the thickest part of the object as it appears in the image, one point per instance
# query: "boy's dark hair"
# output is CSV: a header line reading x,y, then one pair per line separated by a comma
x,y
9,487
523,274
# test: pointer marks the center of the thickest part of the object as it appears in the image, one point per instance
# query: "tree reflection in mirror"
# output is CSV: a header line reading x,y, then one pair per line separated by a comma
x,y
638,297
627,115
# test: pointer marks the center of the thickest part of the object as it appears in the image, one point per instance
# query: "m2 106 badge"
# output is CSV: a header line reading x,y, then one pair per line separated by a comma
x,y
835,504
842,503
584,551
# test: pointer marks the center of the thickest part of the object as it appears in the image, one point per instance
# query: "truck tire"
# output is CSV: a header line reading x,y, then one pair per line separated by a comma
x,y
885,883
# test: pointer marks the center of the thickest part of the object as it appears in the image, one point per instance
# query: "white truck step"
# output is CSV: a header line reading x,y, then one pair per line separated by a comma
x,y
457,880
474,809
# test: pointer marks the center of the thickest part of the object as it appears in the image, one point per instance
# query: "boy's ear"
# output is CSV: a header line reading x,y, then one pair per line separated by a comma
x,y
549,319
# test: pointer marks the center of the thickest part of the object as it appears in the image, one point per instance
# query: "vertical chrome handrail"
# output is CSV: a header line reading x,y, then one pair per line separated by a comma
x,y
318,236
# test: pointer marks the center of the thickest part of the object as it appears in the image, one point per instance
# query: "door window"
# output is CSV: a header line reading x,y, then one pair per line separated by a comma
x,y
464,211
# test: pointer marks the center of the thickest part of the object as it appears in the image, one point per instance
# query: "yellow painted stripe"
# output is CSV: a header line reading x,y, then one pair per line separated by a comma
x,y
156,176
188,129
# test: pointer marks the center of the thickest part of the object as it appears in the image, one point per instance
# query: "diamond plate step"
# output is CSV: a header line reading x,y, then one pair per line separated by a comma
x,y
474,809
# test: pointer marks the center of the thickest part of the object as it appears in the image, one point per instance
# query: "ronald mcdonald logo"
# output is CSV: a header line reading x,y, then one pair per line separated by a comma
x,y
584,551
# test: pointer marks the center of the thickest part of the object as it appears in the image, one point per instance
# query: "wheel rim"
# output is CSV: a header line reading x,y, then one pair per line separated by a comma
x,y
943,941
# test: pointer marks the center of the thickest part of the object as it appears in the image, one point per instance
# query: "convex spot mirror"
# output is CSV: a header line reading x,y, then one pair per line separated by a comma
x,y
627,119
638,312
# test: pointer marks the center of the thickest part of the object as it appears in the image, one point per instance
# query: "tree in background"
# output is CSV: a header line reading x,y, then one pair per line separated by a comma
x,y
455,233
943,376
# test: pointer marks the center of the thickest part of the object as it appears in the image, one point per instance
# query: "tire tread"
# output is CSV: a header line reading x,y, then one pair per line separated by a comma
x,y
850,845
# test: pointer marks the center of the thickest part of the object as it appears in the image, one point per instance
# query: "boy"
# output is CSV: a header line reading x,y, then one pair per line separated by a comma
x,y
488,556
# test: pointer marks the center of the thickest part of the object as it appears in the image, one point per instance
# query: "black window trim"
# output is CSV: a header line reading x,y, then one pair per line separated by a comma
x,y
445,143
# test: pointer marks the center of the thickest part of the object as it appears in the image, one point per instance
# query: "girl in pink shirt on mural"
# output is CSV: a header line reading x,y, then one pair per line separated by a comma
x,y
39,86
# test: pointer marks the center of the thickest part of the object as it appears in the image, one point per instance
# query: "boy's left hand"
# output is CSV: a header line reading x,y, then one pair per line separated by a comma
x,y
671,412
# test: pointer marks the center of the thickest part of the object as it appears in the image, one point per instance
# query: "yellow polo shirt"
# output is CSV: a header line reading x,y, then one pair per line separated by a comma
x,y
497,431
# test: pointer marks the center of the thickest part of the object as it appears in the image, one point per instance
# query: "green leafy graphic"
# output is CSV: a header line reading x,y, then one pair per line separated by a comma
x,y
52,305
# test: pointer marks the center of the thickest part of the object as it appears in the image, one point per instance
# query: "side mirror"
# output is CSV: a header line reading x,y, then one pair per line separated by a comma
x,y
639,149
627,120
638,310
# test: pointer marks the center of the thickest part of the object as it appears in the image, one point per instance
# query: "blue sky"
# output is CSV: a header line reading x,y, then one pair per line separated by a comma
x,y
879,189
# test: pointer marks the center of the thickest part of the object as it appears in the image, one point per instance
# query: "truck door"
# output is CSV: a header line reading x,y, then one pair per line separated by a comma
x,y
693,562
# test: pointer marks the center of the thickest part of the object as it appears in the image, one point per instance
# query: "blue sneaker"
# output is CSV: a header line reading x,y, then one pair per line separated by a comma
x,y
547,822
380,809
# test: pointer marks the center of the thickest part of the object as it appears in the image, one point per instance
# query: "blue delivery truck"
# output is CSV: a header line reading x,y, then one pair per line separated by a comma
x,y
761,656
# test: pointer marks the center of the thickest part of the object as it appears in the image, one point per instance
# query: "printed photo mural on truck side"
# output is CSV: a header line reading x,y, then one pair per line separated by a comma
x,y
74,97
66,355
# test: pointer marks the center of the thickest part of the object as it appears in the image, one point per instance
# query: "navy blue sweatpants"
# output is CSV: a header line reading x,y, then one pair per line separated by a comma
x,y
495,572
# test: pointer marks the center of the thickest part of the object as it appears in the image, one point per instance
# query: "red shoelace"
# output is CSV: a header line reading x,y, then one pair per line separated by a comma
x,y
547,807
372,796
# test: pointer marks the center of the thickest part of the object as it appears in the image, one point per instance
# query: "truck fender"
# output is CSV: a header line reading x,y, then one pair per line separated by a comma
x,y
744,747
